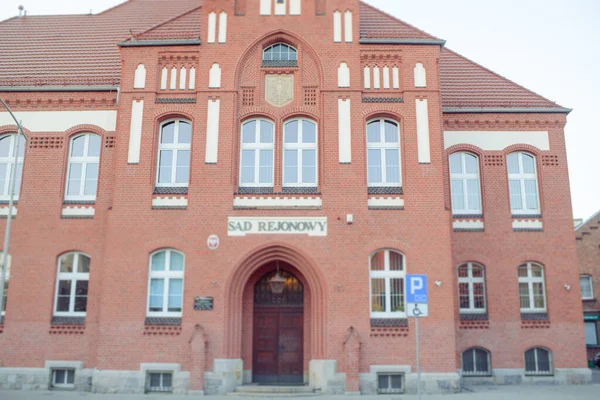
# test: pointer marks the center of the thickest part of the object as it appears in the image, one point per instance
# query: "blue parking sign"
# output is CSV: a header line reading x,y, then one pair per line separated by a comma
x,y
416,289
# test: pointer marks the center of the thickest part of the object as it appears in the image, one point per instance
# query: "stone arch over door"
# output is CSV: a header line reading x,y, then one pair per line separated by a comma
x,y
244,271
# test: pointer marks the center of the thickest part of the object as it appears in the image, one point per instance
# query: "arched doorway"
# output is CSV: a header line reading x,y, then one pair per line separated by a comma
x,y
278,331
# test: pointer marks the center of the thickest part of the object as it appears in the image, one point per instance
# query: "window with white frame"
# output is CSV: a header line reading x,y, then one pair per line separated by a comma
x,y
174,154
587,287
300,153
471,288
383,153
82,173
256,165
5,281
63,378
387,273
591,333
72,285
523,184
532,292
280,54
538,361
165,286
465,184
476,362
7,162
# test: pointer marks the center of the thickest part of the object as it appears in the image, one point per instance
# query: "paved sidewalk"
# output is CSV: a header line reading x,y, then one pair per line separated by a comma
x,y
541,392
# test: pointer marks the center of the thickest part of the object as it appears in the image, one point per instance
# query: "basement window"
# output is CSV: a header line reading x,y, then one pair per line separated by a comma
x,y
63,378
161,382
390,383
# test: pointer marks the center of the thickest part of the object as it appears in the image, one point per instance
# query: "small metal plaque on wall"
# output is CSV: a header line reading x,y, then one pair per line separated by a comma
x,y
203,303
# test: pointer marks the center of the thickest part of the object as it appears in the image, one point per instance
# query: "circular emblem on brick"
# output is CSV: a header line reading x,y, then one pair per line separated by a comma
x,y
213,242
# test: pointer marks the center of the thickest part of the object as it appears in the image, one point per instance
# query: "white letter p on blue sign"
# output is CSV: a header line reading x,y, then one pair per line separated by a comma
x,y
416,284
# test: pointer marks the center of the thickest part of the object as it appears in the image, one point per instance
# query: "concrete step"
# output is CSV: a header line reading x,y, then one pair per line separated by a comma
x,y
273,391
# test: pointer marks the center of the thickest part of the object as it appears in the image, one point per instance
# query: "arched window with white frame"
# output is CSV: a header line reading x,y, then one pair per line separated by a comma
x,y
383,153
300,153
387,273
256,155
7,162
476,362
280,55
84,164
72,285
471,288
538,361
465,184
165,284
174,147
523,184
532,291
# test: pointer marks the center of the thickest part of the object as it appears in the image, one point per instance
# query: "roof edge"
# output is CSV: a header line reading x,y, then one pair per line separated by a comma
x,y
437,42
497,110
58,88
147,43
587,221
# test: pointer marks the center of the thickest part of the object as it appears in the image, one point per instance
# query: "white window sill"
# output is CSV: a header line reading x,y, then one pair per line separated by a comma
x,y
170,202
78,212
468,224
532,224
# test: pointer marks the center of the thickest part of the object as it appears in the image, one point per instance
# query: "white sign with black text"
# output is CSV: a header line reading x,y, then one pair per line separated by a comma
x,y
311,226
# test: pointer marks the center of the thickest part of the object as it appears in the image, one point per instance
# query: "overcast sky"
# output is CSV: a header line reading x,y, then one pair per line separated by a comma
x,y
548,46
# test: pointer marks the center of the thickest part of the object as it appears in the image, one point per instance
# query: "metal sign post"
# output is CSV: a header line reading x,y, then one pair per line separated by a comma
x,y
417,304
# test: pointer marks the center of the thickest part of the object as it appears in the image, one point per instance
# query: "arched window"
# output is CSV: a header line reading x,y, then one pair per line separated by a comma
x,y
383,153
531,288
476,362
82,173
165,284
522,184
7,162
174,154
387,272
538,361
471,288
280,55
72,285
300,153
256,165
465,184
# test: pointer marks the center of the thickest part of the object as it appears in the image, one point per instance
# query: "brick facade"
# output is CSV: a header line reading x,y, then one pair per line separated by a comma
x,y
334,270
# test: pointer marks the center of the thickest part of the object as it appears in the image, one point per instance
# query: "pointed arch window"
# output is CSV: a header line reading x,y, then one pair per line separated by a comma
x,y
280,55
387,273
72,285
174,154
84,163
7,163
165,284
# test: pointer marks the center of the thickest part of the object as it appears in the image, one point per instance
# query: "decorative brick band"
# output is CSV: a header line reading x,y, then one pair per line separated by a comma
x,y
170,190
67,330
385,190
153,330
300,190
162,321
389,332
474,325
535,317
535,324
255,190
175,100
474,317
389,323
383,100
67,321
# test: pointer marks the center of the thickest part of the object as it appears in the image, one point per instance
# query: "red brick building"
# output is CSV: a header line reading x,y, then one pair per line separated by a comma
x,y
178,160
588,250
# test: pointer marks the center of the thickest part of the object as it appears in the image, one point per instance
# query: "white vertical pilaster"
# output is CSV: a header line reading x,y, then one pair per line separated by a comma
x,y
395,78
212,131
386,77
280,7
423,131
214,80
420,76
337,26
367,77
348,26
343,76
173,84
139,80
192,82
265,7
212,27
376,78
223,27
182,78
164,77
344,131
135,131
295,7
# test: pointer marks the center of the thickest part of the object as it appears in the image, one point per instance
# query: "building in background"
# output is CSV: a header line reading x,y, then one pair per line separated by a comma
x,y
588,250
220,193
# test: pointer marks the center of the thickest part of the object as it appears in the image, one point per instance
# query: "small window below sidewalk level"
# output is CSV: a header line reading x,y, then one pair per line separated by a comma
x,y
159,382
63,378
390,383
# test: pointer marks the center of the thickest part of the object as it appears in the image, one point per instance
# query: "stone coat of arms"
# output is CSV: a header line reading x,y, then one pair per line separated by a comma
x,y
279,89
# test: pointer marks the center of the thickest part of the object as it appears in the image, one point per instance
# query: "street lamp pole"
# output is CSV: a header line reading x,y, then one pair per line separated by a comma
x,y
11,191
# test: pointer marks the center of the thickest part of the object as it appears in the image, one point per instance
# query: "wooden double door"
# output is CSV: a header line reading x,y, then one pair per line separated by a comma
x,y
278,345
